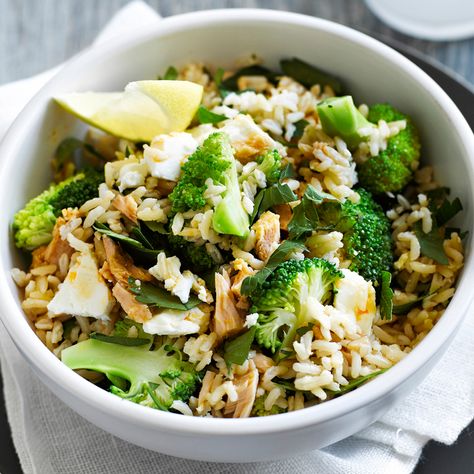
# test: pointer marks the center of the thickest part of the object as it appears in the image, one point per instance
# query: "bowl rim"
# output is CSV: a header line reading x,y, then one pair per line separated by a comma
x,y
65,380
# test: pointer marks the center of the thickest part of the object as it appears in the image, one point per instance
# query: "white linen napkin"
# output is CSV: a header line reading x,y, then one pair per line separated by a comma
x,y
50,438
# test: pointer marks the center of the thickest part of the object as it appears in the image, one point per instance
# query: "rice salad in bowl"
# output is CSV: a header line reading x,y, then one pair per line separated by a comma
x,y
270,248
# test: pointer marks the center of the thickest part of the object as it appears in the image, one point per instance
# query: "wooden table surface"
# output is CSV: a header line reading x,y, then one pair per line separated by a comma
x,y
38,34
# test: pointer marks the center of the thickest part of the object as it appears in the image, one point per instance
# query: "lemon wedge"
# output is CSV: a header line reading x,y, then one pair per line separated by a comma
x,y
139,113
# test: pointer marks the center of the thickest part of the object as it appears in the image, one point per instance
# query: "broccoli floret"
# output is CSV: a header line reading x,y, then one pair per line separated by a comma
x,y
191,255
33,225
285,300
154,378
213,159
270,164
122,328
258,408
392,168
366,234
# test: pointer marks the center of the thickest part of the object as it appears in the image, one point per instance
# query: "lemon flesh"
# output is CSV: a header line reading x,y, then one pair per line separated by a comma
x,y
145,108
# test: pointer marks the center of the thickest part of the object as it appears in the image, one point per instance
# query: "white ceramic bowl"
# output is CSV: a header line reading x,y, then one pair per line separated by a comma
x,y
373,72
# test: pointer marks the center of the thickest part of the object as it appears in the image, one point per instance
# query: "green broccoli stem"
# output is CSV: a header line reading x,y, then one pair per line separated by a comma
x,y
340,117
138,365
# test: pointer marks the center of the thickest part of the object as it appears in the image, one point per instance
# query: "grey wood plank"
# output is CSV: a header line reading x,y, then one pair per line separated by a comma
x,y
37,34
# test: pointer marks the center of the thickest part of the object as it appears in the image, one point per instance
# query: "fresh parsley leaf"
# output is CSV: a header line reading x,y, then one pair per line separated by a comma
x,y
284,250
204,115
122,341
300,125
156,296
231,83
288,171
272,196
386,296
171,74
309,75
431,244
447,210
355,383
236,351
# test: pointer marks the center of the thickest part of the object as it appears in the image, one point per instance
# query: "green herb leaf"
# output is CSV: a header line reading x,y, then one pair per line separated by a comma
x,y
284,383
156,296
431,244
401,309
386,296
272,196
304,329
236,351
66,151
305,217
122,341
287,172
158,227
218,77
309,75
447,210
171,74
449,230
299,130
128,241
355,383
204,115
138,234
284,250
231,83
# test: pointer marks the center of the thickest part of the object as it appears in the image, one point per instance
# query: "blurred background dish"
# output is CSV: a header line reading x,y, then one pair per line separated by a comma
x,y
436,20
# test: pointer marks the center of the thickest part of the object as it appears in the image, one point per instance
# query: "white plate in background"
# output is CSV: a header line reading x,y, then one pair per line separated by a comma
x,y
437,20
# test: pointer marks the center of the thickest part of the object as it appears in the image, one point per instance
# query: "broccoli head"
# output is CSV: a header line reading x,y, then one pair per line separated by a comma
x,y
192,256
213,159
366,233
392,168
258,408
33,225
286,299
270,164
154,378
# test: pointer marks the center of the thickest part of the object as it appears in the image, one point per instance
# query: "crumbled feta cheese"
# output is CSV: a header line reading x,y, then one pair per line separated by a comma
x,y
201,132
172,322
83,292
166,154
356,296
247,137
168,271
131,176
251,320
